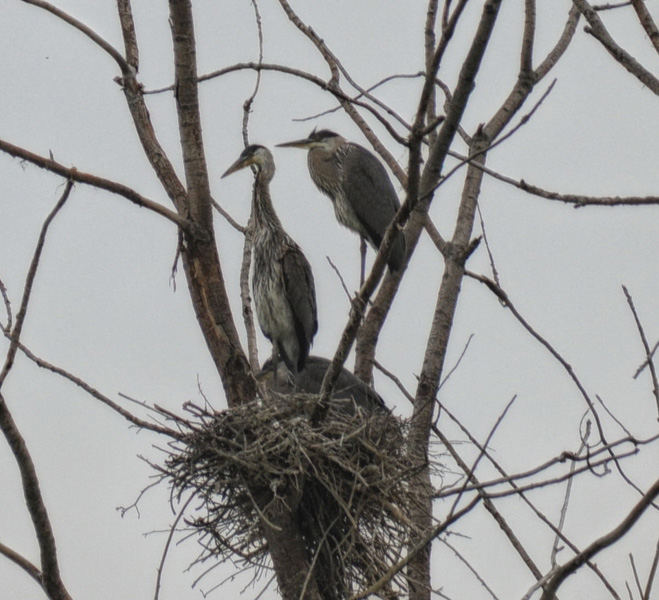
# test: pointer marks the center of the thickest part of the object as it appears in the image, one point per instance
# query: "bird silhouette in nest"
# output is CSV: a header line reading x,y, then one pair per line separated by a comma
x,y
350,393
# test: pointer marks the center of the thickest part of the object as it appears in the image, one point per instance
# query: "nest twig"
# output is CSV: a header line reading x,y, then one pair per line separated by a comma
x,y
345,481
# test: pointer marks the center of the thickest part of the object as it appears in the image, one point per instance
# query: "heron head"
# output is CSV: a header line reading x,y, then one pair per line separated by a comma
x,y
324,138
256,155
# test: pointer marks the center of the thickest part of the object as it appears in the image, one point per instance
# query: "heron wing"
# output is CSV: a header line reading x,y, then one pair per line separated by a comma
x,y
369,191
301,295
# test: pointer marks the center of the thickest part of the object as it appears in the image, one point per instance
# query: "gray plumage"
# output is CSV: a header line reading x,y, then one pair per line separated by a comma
x,y
282,281
362,194
349,393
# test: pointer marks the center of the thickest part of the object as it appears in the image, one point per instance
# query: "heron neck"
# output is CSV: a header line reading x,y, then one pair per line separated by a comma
x,y
264,211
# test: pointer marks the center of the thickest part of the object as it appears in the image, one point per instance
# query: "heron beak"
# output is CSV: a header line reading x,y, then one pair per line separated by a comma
x,y
241,163
304,143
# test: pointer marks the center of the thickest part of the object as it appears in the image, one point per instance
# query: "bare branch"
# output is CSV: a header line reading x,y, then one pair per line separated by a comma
x,y
598,30
418,548
498,291
647,22
520,491
5,298
94,393
561,45
247,105
611,5
88,31
490,506
646,346
635,573
485,445
433,62
189,118
336,68
429,48
566,501
471,569
589,463
128,28
528,38
227,217
73,174
22,562
201,259
246,297
50,578
246,300
168,543
578,200
601,543
15,334
651,574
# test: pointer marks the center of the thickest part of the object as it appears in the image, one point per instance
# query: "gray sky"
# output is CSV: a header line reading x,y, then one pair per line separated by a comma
x,y
103,306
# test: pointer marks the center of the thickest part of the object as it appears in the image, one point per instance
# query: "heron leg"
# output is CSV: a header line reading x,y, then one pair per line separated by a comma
x,y
275,363
362,250
294,373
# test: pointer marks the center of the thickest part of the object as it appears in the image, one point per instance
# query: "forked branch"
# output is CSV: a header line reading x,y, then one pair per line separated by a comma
x,y
571,566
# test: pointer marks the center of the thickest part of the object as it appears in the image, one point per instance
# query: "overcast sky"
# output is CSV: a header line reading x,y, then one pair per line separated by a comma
x,y
104,308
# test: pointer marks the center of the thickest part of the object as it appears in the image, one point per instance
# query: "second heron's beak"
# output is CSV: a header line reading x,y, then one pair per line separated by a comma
x,y
241,163
304,143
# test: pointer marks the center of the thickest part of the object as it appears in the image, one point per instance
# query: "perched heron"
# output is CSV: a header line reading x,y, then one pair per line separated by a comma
x,y
357,183
349,393
282,281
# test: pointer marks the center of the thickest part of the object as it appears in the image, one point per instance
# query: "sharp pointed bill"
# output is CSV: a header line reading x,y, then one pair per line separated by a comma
x,y
244,160
358,185
282,281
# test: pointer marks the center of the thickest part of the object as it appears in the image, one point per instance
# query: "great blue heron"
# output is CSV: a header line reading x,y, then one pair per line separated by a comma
x,y
333,518
349,393
355,180
282,281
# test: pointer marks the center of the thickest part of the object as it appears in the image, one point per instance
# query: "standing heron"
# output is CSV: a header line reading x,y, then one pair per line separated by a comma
x,y
357,183
282,281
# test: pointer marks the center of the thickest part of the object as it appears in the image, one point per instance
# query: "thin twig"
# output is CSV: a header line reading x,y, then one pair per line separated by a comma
x,y
247,104
413,552
468,160
85,29
599,31
647,22
610,413
165,550
51,580
15,334
520,491
5,298
578,200
651,574
341,280
473,571
96,394
646,346
484,446
18,559
75,175
454,368
637,581
566,500
228,218
601,543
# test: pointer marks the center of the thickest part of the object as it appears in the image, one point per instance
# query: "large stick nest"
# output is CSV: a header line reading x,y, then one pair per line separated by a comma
x,y
345,481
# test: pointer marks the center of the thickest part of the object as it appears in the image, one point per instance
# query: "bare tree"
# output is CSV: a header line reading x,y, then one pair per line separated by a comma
x,y
452,472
